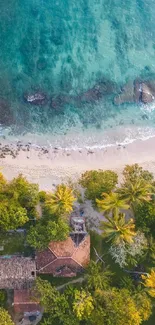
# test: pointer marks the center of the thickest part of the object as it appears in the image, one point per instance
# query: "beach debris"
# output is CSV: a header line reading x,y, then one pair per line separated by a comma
x,y
37,98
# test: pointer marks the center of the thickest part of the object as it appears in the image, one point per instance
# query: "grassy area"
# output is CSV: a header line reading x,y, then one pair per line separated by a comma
x,y
14,243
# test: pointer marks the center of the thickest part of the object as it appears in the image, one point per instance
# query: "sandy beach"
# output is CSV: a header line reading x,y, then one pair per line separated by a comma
x,y
50,166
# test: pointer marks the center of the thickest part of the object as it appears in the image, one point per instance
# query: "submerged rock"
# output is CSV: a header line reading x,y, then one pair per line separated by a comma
x,y
127,94
137,91
98,91
6,114
147,96
59,101
37,98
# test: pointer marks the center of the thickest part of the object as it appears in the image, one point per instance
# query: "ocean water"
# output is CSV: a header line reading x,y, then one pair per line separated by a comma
x,y
65,47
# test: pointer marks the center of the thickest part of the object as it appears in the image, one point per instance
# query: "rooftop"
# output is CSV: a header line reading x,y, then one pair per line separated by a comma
x,y
16,272
64,253
23,302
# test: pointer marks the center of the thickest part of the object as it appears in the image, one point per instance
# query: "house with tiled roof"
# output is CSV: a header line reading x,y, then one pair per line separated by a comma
x,y
69,257
17,272
23,302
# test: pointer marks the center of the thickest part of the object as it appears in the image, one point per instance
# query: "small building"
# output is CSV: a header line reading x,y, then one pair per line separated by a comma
x,y
66,258
17,272
23,302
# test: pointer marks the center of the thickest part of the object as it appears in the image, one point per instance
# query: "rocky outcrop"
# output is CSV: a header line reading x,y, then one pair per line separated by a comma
x,y
137,91
6,114
146,96
101,89
37,98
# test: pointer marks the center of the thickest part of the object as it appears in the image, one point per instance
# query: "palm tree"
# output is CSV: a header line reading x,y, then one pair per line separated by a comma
x,y
116,229
111,203
136,193
98,277
61,202
149,282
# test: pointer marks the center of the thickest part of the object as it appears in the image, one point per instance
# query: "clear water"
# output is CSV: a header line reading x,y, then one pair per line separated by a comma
x,y
66,47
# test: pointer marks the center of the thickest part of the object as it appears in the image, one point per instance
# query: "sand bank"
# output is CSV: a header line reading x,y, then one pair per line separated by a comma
x,y
49,166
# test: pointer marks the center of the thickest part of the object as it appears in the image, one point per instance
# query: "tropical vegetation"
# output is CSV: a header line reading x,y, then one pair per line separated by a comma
x,y
118,286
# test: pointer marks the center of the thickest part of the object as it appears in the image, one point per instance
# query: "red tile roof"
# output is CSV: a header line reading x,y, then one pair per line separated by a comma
x,y
62,248
23,302
64,253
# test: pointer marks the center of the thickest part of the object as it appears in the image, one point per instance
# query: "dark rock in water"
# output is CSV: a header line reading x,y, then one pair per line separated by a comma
x,y
139,91
147,96
6,114
101,89
59,101
37,98
41,64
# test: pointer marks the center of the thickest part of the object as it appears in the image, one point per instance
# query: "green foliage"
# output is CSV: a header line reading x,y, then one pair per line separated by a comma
x,y
96,182
83,304
18,200
12,243
134,172
111,203
98,277
116,229
56,304
3,182
12,216
3,297
78,306
42,196
143,304
27,194
61,202
145,217
40,235
136,193
115,306
5,318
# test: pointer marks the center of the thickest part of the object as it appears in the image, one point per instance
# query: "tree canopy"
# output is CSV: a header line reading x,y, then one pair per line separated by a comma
x,y
12,216
111,203
96,182
5,318
61,201
40,235
135,172
117,229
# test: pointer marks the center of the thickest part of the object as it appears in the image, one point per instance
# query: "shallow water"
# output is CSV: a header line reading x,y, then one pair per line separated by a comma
x,y
66,47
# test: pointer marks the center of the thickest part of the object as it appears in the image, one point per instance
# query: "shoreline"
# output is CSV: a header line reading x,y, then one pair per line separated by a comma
x,y
50,166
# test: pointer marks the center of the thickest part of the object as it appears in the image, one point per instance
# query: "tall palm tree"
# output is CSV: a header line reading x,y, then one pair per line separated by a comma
x,y
61,202
111,203
136,193
116,229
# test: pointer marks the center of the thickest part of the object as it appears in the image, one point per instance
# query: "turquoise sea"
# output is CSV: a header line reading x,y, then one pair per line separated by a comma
x,y
64,48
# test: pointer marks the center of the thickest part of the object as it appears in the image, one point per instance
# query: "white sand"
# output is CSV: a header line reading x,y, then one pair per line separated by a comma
x,y
58,165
